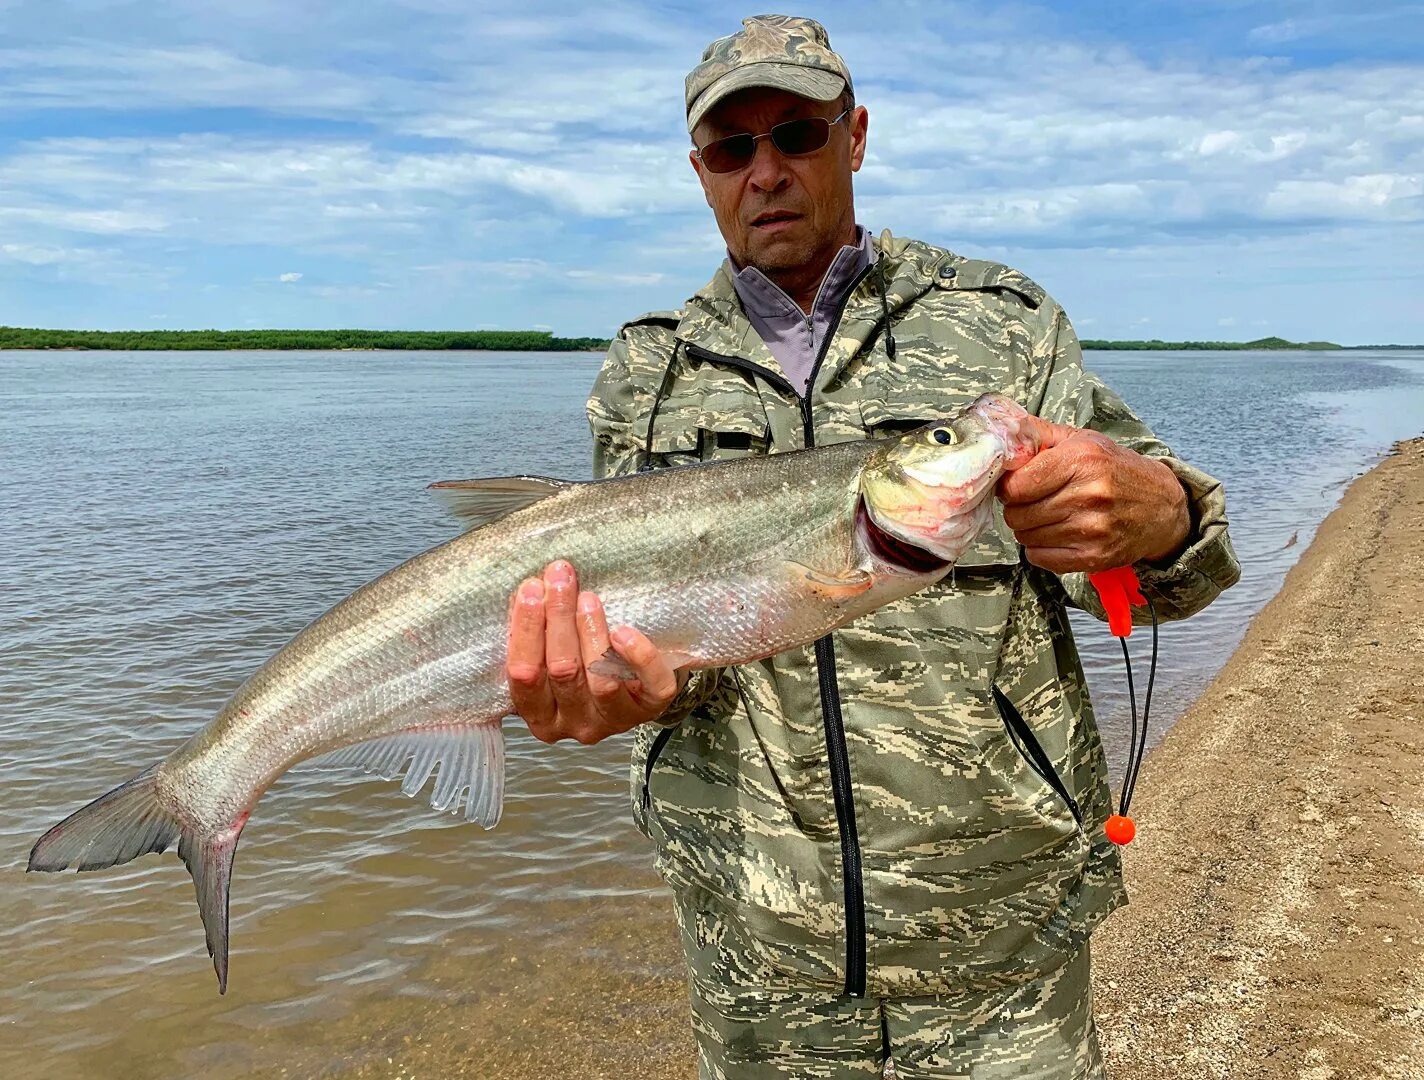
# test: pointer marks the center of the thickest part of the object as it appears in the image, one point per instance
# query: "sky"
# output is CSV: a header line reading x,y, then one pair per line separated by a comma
x,y
1219,169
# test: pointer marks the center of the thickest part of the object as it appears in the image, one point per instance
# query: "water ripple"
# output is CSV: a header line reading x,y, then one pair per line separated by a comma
x,y
168,520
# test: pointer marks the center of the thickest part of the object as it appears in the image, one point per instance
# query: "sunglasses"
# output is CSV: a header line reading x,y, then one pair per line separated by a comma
x,y
794,138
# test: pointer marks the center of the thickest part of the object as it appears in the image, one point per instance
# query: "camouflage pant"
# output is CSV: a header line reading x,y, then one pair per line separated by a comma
x,y
751,1023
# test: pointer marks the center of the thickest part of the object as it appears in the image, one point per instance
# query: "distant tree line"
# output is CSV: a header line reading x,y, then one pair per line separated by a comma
x,y
1213,346
12,337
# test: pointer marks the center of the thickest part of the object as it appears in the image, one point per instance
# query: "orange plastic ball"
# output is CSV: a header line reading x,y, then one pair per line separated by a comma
x,y
1120,829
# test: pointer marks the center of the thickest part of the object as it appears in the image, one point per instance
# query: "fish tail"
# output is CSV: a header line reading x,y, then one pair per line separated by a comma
x,y
131,821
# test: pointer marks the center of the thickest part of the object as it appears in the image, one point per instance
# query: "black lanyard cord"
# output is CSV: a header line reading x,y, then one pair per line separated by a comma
x,y
885,309
1137,746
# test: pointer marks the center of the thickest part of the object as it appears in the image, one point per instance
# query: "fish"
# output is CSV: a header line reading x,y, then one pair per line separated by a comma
x,y
718,563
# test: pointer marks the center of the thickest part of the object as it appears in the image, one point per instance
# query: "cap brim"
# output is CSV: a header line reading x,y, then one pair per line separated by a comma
x,y
803,81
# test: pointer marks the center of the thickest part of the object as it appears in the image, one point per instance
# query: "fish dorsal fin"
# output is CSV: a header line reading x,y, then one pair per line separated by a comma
x,y
478,502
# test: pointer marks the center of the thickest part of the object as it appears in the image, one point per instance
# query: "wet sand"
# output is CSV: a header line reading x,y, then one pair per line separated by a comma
x,y
1277,920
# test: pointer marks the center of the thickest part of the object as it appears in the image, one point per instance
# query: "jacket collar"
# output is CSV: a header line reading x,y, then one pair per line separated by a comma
x,y
763,298
713,320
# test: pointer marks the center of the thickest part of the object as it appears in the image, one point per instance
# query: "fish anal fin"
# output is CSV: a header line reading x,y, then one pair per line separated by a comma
x,y
470,758
479,502
612,666
842,586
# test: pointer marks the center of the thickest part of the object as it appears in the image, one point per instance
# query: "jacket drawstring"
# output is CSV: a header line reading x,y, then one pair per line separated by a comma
x,y
885,309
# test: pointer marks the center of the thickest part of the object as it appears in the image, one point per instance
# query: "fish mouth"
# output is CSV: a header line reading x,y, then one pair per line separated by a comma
x,y
960,497
891,550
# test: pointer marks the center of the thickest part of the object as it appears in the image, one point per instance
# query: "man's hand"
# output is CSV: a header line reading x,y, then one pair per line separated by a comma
x,y
1085,503
555,633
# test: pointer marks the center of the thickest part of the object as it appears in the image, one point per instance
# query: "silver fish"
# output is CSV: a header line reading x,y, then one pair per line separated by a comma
x,y
719,563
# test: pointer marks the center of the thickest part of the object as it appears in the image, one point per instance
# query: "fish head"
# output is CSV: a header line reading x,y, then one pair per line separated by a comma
x,y
930,487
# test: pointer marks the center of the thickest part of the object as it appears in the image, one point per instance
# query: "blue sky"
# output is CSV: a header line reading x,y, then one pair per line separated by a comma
x,y
1221,168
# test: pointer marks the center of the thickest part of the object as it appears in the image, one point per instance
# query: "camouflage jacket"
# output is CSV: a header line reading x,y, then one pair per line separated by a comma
x,y
862,805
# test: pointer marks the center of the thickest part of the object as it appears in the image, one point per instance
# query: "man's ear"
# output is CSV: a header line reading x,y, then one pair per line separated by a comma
x,y
859,125
701,177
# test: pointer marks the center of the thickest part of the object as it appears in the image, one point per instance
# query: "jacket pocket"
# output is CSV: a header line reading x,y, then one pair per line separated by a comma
x,y
712,415
1032,752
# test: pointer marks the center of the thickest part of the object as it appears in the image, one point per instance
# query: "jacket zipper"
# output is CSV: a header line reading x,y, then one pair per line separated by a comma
x,y
745,365
1032,751
837,753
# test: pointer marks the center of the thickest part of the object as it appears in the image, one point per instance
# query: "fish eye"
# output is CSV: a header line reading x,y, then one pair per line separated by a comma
x,y
944,436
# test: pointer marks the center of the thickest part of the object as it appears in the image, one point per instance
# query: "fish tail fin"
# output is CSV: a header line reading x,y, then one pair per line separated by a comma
x,y
209,860
122,825
131,821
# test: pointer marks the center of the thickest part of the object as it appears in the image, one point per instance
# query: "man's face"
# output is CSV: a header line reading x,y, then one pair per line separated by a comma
x,y
782,213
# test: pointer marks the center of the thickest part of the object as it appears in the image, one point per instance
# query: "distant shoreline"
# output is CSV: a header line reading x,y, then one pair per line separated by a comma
x,y
483,340
12,337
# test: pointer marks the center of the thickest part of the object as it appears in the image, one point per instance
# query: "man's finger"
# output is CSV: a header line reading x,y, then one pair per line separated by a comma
x,y
562,656
1047,432
1069,560
524,664
658,681
1057,560
594,643
1042,513
1041,477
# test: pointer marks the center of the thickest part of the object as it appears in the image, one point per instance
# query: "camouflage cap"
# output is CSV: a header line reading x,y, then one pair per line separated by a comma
x,y
780,51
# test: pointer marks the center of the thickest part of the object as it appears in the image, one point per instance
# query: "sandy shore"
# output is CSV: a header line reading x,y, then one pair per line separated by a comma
x,y
1277,919
1277,880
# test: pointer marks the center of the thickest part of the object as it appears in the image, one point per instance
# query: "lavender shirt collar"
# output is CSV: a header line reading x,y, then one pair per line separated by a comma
x,y
793,338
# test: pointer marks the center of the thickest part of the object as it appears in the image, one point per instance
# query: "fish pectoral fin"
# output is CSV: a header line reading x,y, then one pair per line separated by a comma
x,y
470,757
612,666
833,586
479,502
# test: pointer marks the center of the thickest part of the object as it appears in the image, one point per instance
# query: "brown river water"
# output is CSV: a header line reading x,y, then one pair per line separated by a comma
x,y
168,520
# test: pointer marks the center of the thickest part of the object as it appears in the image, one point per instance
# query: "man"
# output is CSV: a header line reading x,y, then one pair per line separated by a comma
x,y
866,860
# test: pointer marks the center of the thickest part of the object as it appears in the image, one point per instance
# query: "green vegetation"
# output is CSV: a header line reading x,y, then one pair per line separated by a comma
x,y
12,337
1213,346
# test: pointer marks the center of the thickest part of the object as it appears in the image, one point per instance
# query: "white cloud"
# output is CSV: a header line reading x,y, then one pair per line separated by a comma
x,y
105,75
106,221
608,277
497,161
1376,196
290,276
1278,32
45,255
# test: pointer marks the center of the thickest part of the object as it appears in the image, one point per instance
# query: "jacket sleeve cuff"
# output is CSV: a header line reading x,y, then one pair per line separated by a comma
x,y
700,689
1207,563
1193,577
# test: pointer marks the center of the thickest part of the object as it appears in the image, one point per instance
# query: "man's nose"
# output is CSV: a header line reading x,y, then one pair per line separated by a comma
x,y
768,167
